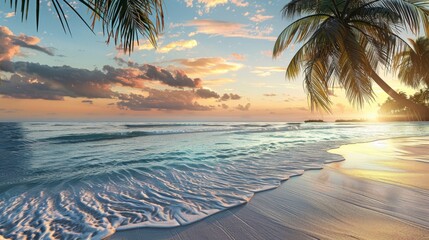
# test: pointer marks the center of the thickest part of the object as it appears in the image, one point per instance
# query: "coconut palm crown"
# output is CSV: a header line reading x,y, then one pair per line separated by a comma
x,y
122,20
412,63
342,43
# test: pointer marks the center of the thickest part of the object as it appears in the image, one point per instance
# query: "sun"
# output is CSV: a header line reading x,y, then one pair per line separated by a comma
x,y
372,116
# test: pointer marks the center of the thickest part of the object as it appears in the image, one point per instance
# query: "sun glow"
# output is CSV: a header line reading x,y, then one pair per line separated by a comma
x,y
372,116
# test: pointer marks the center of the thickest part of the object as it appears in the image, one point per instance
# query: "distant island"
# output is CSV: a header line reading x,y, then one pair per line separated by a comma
x,y
350,120
314,121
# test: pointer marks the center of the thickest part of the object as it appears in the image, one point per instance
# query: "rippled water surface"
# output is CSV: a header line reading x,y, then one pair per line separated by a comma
x,y
88,180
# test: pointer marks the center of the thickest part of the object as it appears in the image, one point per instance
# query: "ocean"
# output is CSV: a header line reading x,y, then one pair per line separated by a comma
x,y
90,179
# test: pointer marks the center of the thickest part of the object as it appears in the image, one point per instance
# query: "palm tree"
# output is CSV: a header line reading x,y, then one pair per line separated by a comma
x,y
391,107
421,97
121,20
345,42
412,63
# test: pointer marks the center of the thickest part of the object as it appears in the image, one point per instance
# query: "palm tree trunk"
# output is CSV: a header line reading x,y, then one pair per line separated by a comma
x,y
421,112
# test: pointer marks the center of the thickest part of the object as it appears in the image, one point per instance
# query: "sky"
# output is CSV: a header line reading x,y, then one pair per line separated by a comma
x,y
213,63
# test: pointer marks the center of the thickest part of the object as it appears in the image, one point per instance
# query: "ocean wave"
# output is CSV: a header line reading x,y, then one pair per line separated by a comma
x,y
94,137
94,208
238,129
169,125
89,191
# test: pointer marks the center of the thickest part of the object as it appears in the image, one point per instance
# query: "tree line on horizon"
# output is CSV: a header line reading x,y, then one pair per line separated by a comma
x,y
342,43
391,110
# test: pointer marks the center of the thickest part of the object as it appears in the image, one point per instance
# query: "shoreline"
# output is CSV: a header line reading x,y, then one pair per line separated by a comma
x,y
166,233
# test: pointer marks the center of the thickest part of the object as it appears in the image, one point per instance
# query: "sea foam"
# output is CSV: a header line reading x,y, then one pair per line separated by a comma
x,y
88,180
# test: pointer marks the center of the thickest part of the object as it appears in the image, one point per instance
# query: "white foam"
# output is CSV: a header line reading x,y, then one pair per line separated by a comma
x,y
92,189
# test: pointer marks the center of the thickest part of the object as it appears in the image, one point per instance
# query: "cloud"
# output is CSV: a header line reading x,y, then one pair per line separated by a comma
x,y
35,81
177,78
234,96
260,18
189,3
7,111
11,44
230,29
90,102
146,45
270,95
178,46
240,3
301,109
212,3
290,98
208,4
207,93
172,100
267,53
161,100
243,108
27,88
238,57
26,80
206,66
231,96
218,81
9,14
267,71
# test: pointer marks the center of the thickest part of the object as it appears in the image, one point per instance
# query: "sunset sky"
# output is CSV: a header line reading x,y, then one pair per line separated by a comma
x,y
213,63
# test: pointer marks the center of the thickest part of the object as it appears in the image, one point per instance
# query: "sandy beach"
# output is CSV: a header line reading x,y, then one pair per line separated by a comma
x,y
380,191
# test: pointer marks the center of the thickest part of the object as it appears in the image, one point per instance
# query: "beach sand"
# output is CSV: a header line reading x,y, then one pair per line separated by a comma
x,y
380,191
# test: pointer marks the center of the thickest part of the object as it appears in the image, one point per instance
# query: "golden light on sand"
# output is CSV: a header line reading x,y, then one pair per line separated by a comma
x,y
385,161
378,145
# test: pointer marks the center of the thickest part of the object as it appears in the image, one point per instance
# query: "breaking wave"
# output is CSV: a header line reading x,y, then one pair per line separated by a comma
x,y
165,176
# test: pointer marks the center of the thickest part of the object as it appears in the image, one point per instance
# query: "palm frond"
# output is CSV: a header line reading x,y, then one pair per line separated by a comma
x,y
299,7
414,13
124,21
315,85
412,64
298,31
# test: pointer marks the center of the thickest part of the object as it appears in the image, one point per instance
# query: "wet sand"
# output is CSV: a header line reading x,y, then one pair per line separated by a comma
x,y
380,191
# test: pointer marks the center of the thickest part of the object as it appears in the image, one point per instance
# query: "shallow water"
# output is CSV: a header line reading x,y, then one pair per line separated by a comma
x,y
88,180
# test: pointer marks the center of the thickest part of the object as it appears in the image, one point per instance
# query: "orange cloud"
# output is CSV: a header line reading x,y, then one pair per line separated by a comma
x,y
260,18
206,66
162,100
146,45
238,57
173,46
230,29
178,46
240,3
9,15
11,44
267,71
